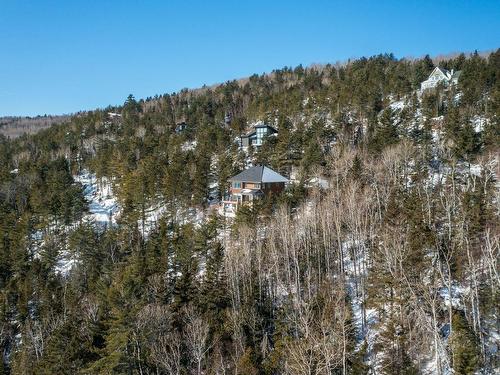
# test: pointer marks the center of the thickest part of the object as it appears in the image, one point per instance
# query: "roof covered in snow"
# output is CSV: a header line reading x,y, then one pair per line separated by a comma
x,y
259,173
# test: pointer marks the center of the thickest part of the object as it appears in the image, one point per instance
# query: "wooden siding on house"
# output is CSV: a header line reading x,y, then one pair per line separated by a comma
x,y
251,185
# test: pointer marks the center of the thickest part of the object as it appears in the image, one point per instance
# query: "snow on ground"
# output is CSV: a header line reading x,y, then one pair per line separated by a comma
x,y
103,211
104,208
65,262
36,243
192,215
492,334
437,118
103,205
453,296
213,190
439,172
181,215
319,181
398,105
355,272
365,326
479,122
431,368
152,216
188,146
476,170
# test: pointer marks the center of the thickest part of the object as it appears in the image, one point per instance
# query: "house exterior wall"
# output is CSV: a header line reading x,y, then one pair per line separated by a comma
x,y
243,192
244,141
251,185
435,77
438,76
266,188
180,128
433,83
273,187
261,132
256,137
428,84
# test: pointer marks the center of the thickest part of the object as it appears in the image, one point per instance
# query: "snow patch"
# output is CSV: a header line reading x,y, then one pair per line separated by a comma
x,y
103,205
398,105
319,182
189,146
453,296
65,263
152,216
479,122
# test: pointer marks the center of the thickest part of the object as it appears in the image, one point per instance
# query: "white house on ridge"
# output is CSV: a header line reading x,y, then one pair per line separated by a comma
x,y
440,75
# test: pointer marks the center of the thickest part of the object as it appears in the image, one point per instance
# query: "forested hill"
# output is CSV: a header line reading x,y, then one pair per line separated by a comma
x,y
381,257
13,127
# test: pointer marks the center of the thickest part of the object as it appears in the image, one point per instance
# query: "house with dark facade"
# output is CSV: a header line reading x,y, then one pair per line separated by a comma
x,y
256,135
250,185
180,127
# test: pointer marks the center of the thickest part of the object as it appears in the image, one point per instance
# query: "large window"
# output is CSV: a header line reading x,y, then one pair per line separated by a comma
x,y
237,185
261,132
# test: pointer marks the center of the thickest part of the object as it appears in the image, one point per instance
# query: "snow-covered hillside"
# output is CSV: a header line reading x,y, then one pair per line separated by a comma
x,y
103,206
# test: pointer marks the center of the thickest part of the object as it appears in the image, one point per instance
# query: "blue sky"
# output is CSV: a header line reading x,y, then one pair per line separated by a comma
x,y
64,56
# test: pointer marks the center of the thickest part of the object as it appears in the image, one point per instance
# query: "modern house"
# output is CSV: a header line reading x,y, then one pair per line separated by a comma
x,y
441,75
251,184
256,135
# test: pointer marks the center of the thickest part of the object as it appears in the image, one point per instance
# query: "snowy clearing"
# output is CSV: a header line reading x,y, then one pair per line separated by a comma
x,y
103,205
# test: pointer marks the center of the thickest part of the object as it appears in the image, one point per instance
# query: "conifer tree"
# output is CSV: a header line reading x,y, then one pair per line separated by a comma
x,y
464,347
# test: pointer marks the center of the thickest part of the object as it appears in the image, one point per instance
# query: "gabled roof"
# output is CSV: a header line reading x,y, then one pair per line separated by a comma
x,y
258,174
441,70
446,73
456,74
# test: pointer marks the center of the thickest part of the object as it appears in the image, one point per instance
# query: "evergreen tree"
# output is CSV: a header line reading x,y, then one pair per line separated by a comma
x,y
464,347
386,132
